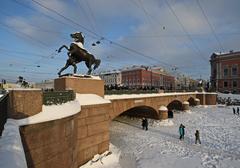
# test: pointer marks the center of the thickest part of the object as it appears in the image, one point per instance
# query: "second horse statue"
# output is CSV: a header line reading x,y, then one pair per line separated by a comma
x,y
77,53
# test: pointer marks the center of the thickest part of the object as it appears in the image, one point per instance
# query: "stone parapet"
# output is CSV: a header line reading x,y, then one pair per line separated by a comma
x,y
24,103
93,131
211,98
51,144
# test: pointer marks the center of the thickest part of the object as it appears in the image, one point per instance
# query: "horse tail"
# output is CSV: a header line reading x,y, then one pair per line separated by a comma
x,y
96,63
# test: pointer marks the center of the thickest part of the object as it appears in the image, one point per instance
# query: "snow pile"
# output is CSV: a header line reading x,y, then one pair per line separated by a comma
x,y
164,123
53,112
134,96
107,159
229,99
91,99
11,150
163,108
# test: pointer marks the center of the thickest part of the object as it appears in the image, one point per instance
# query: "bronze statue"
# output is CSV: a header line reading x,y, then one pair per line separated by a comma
x,y
77,53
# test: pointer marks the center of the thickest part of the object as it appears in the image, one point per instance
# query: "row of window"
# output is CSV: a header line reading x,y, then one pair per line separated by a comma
x,y
233,71
227,84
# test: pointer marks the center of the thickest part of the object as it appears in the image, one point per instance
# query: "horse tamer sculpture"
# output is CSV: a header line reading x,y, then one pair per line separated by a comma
x,y
77,53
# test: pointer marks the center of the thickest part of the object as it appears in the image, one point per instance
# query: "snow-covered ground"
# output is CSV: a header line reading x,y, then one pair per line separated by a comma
x,y
160,147
230,95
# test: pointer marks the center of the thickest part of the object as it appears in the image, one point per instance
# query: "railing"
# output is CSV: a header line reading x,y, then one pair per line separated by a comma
x,y
3,111
57,97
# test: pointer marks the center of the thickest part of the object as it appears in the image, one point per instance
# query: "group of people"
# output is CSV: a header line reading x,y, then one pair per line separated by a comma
x,y
145,124
182,133
236,111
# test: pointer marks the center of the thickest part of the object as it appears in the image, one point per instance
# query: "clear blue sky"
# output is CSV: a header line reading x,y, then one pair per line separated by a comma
x,y
168,33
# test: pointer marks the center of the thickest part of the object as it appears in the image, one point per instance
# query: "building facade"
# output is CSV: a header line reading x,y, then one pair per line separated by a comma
x,y
225,72
140,77
113,78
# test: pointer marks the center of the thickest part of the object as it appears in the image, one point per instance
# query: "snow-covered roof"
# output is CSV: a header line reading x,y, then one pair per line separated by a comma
x,y
91,99
11,149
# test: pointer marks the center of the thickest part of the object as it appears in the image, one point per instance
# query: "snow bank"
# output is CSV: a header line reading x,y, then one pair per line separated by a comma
x,y
91,99
133,96
164,123
232,96
11,151
53,112
163,108
106,160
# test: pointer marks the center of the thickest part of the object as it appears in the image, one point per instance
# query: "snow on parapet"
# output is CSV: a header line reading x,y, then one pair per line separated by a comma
x,y
11,149
91,99
53,112
163,108
133,96
185,102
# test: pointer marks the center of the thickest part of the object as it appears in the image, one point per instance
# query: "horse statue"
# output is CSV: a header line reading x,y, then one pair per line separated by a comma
x,y
77,53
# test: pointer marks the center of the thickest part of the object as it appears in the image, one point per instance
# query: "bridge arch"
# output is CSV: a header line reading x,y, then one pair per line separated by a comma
x,y
175,105
142,111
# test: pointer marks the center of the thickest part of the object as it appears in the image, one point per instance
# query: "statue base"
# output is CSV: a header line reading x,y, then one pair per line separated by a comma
x,y
82,84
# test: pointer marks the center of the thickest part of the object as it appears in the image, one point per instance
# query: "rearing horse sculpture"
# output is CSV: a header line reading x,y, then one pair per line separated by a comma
x,y
77,53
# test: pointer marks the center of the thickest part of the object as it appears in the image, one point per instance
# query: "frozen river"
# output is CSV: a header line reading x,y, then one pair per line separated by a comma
x,y
160,146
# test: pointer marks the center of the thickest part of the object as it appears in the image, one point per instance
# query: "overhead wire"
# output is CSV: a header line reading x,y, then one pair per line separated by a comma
x,y
97,35
210,25
185,31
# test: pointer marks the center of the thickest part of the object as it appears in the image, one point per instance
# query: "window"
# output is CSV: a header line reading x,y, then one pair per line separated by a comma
x,y
234,70
234,84
225,71
225,84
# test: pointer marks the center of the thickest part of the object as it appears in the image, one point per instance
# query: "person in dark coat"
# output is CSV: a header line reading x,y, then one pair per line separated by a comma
x,y
237,110
234,111
143,123
197,137
183,127
181,131
146,124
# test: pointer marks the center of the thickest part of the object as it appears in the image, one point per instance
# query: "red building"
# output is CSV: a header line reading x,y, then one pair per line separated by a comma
x,y
142,78
225,72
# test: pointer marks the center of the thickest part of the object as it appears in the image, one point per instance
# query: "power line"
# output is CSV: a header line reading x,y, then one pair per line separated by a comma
x,y
26,35
183,28
97,35
52,18
210,25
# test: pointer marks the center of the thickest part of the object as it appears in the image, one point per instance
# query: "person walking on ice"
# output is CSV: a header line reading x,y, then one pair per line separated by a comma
x,y
234,111
197,137
181,131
